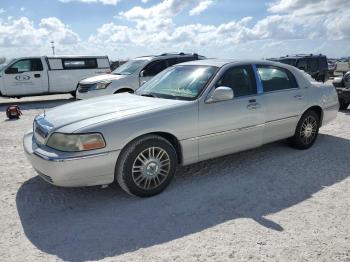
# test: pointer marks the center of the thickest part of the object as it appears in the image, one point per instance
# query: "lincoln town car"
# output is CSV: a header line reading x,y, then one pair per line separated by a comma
x,y
188,113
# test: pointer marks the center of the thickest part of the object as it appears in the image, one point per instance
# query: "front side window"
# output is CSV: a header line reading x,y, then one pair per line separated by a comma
x,y
178,82
22,66
27,65
155,67
129,67
275,78
241,79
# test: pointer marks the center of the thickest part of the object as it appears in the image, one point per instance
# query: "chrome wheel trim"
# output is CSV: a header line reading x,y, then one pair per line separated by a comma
x,y
150,168
308,130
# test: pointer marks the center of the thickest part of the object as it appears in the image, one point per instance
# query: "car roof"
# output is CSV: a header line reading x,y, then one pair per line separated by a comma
x,y
223,62
166,56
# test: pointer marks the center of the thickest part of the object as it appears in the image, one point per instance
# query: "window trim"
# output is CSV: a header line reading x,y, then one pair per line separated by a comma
x,y
288,72
253,76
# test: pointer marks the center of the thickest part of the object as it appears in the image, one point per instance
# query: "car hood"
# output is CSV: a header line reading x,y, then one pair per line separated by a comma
x,y
100,78
105,108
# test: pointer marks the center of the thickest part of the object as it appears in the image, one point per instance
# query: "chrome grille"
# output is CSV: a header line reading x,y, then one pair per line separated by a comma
x,y
41,129
84,88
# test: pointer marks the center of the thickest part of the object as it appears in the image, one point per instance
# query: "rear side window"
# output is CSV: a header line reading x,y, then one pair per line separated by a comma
x,y
79,63
275,78
241,79
313,65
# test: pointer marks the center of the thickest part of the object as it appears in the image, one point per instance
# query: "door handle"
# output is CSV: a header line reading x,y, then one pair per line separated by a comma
x,y
36,75
299,97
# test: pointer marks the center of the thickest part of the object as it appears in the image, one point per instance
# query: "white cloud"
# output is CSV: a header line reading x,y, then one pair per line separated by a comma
x,y
105,2
22,9
2,11
202,6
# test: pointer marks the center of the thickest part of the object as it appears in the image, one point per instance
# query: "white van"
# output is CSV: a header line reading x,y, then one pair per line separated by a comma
x,y
44,75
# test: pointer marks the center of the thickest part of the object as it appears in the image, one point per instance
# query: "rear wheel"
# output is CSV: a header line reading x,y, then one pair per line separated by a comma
x,y
306,131
146,166
73,94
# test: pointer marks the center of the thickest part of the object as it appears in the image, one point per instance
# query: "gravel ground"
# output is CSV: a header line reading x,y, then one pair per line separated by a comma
x,y
268,204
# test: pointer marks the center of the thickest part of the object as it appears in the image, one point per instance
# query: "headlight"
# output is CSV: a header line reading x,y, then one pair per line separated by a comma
x,y
102,85
76,142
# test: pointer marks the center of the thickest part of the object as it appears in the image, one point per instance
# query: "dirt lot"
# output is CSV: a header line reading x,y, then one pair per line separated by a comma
x,y
268,204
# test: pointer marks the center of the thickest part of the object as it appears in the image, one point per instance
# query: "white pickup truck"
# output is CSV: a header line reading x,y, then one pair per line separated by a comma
x,y
44,75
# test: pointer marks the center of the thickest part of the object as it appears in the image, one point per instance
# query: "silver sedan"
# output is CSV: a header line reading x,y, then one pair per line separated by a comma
x,y
188,113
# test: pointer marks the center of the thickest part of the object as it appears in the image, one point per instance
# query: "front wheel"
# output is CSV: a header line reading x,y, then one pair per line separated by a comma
x,y
146,166
306,132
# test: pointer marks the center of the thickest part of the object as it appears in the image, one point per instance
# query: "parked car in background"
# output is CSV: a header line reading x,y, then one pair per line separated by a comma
x,y
343,66
314,65
342,84
187,113
28,76
131,75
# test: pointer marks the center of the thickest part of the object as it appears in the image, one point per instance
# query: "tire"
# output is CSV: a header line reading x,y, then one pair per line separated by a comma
x,y
306,131
73,94
343,105
146,166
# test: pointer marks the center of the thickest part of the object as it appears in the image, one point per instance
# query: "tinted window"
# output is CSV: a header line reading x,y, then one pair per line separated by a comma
x,y
187,59
274,78
36,65
241,79
323,63
79,63
173,61
313,65
155,67
302,64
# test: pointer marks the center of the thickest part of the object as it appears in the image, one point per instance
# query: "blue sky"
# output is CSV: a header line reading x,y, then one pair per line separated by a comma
x,y
215,28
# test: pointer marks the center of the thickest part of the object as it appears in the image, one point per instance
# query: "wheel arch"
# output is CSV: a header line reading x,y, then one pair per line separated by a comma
x,y
124,90
173,140
318,110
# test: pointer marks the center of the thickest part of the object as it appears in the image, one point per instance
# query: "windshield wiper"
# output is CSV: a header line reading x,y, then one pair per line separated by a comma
x,y
148,95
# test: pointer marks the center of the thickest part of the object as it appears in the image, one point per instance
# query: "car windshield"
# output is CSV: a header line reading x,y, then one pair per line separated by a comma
x,y
179,82
129,67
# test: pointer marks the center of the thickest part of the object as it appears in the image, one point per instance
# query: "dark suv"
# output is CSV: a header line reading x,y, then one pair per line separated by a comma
x,y
314,65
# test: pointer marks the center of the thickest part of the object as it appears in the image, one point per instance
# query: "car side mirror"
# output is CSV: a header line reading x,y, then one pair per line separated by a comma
x,y
221,93
11,70
143,73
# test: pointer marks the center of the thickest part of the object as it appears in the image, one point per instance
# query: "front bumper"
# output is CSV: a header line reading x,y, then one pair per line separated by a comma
x,y
70,171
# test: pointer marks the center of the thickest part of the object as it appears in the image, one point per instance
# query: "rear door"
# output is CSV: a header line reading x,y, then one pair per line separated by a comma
x,y
26,77
230,126
284,101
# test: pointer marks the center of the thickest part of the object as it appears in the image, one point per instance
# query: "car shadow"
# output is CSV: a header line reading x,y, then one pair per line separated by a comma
x,y
91,224
38,104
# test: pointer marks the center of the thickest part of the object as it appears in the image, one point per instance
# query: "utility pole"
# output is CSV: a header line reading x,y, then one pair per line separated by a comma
x,y
53,47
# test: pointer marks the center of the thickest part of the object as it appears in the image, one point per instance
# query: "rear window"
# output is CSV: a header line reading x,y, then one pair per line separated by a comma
x,y
275,78
79,63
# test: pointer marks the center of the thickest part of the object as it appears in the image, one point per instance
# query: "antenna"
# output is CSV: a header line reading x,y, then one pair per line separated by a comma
x,y
53,47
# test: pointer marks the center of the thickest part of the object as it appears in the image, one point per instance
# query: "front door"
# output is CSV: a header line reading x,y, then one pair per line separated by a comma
x,y
25,77
230,126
